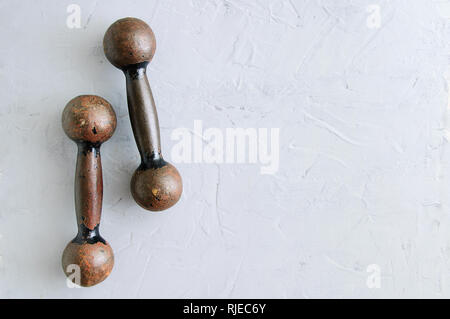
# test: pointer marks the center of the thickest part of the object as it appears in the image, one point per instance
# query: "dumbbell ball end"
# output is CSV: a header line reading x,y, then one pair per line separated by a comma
x,y
96,262
156,188
89,119
129,41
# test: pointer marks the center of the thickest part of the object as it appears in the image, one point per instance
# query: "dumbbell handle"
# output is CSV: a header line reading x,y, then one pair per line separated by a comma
x,y
143,115
88,189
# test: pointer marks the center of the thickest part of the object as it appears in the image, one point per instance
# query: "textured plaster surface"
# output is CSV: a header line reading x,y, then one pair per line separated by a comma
x,y
364,173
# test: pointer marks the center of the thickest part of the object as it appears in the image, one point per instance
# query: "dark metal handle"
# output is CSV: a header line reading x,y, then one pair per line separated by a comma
x,y
143,115
88,192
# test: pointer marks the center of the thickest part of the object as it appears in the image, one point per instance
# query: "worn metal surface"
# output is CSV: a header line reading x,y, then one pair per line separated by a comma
x,y
129,41
89,121
89,118
156,188
143,115
129,44
95,261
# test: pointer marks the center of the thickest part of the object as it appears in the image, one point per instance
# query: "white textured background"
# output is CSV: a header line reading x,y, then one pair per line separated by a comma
x,y
365,162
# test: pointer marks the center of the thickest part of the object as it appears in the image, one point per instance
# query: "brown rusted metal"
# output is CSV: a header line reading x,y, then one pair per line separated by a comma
x,y
89,121
157,188
129,41
130,44
95,261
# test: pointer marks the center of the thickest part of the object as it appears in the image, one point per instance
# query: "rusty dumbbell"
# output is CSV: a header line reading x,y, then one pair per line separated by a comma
x,y
130,44
89,121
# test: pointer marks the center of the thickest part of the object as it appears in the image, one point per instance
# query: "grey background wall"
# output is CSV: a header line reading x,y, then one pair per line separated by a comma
x,y
362,191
